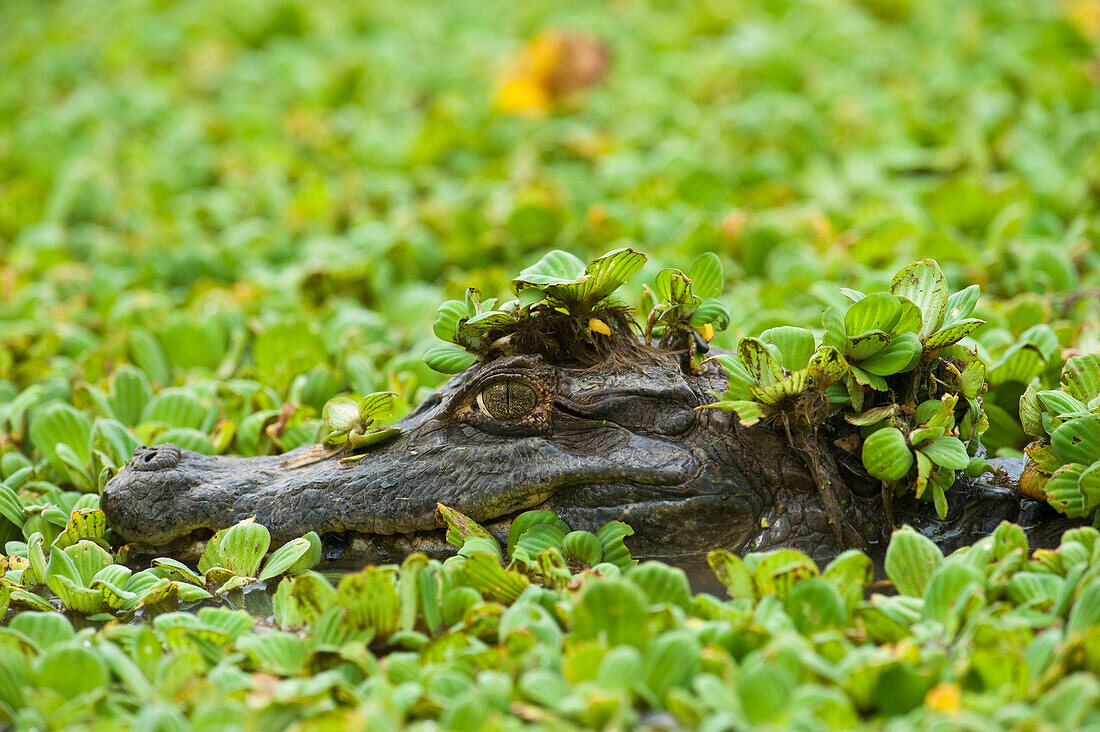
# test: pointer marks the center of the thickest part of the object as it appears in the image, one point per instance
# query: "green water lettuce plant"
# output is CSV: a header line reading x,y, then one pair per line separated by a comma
x,y
563,282
348,423
1063,462
888,380
687,303
562,305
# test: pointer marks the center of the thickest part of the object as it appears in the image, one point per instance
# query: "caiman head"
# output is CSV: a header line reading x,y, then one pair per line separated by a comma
x,y
593,444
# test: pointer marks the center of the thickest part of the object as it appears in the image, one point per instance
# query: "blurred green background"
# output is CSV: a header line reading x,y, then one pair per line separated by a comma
x,y
266,201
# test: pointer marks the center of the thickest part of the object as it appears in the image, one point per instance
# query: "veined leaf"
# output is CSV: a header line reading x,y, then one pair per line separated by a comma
x,y
446,319
960,304
706,275
947,452
886,454
761,364
711,311
1081,377
795,345
866,344
901,354
449,359
375,406
555,266
674,286
924,284
877,312
1078,440
62,424
340,414
953,332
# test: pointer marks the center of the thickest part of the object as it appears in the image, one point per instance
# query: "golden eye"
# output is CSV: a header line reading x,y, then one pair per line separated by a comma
x,y
507,399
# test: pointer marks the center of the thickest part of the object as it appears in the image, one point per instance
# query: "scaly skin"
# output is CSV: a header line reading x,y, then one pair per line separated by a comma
x,y
601,444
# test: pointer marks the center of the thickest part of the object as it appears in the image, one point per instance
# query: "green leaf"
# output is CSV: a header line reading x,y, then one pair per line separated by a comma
x,y
1081,377
611,270
187,438
371,599
1020,363
612,537
70,671
302,599
712,311
947,452
460,527
674,287
62,424
886,454
872,416
85,523
449,359
877,312
446,320
795,345
901,354
149,356
376,405
911,559
747,410
759,361
175,407
952,591
1059,403
662,583
340,415
130,392
826,367
582,546
739,380
866,344
275,652
924,284
287,348
239,549
555,266
961,304
815,605
357,440
706,275
1078,440
835,333
283,558
611,611
953,332
11,507
731,572
529,519
483,572
780,570
1063,490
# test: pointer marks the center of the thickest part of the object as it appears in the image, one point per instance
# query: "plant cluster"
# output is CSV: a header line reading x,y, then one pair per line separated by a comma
x,y
1063,462
553,628
887,379
565,310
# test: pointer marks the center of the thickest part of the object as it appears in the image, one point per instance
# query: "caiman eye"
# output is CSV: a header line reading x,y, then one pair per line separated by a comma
x,y
507,399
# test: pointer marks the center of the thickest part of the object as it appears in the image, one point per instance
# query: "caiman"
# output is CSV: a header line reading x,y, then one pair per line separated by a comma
x,y
593,444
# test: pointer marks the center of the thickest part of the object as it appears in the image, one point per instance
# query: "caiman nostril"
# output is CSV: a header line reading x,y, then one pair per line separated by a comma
x,y
158,457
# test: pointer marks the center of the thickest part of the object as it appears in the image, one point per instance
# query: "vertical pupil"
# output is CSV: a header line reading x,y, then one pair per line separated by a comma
x,y
508,399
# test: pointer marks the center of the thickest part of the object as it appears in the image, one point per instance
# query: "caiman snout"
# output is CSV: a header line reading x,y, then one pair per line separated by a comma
x,y
158,457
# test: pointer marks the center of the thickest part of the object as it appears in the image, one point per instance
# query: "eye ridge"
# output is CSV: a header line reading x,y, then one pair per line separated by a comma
x,y
508,399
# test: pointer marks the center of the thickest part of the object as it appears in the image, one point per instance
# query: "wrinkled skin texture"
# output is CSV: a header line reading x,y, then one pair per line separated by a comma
x,y
599,445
